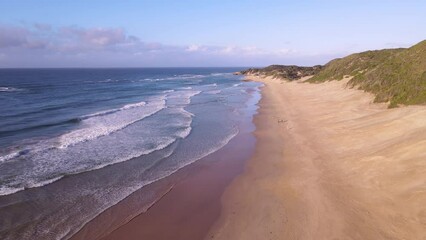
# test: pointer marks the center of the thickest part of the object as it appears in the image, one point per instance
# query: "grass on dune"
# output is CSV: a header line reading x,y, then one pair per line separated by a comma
x,y
397,76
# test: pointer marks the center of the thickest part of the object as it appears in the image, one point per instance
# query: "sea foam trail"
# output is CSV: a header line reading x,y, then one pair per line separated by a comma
x,y
95,125
9,89
107,122
170,170
214,92
192,125
177,77
182,97
128,106
105,138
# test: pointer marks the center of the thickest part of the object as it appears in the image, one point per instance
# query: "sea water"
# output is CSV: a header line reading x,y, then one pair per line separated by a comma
x,y
74,142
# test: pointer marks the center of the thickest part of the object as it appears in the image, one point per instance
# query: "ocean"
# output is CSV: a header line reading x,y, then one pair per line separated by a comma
x,y
74,142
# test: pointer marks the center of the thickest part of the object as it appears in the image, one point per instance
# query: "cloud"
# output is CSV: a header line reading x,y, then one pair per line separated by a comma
x,y
95,37
68,38
12,37
42,27
195,48
42,45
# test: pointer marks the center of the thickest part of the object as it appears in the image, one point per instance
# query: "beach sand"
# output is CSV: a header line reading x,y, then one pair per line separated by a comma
x,y
190,202
329,164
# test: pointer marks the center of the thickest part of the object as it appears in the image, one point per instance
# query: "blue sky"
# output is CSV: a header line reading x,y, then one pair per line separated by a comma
x,y
156,33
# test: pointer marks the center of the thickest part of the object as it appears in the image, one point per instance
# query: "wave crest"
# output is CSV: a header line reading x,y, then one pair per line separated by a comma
x,y
10,89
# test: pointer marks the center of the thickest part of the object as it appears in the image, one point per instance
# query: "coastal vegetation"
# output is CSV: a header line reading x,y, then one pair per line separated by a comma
x,y
291,72
396,76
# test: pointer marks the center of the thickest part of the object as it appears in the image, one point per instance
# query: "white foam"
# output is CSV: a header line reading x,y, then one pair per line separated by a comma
x,y
9,190
9,156
182,97
107,122
128,106
32,184
214,92
133,105
221,74
217,74
164,144
185,76
222,143
176,77
112,153
106,80
184,133
9,89
50,164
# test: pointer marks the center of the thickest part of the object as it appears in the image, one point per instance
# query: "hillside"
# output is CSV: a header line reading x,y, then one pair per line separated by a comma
x,y
281,71
394,75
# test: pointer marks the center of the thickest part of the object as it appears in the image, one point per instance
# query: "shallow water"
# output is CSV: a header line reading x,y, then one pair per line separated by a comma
x,y
75,142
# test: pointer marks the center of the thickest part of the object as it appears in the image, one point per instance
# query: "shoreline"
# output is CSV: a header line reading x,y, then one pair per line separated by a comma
x,y
329,164
192,193
190,208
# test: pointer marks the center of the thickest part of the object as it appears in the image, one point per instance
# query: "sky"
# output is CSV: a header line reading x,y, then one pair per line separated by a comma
x,y
202,33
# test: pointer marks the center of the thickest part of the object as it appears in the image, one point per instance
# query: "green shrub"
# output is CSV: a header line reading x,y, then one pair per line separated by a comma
x,y
397,76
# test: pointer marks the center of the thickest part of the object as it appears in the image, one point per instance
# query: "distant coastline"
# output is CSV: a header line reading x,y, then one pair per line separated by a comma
x,y
329,163
395,76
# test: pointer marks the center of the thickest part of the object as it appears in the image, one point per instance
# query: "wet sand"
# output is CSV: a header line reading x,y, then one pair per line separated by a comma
x,y
189,205
329,164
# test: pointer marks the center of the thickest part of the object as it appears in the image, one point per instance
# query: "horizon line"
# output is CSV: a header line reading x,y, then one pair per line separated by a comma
x,y
2,68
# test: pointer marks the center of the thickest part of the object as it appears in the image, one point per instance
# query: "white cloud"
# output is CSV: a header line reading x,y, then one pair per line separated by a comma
x,y
193,48
44,45
227,50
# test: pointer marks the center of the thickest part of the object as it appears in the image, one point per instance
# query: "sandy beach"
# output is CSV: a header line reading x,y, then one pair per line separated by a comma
x,y
329,164
213,120
190,202
193,204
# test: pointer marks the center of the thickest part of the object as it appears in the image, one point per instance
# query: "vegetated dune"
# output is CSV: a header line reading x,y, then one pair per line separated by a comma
x,y
329,164
290,72
394,75
333,162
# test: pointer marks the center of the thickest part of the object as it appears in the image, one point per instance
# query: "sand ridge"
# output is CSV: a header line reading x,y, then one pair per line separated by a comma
x,y
329,164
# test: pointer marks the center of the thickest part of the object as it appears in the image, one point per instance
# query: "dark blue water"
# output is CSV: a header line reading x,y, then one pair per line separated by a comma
x,y
81,140
45,102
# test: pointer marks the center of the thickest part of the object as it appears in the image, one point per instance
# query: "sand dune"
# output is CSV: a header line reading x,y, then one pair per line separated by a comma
x,y
329,164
